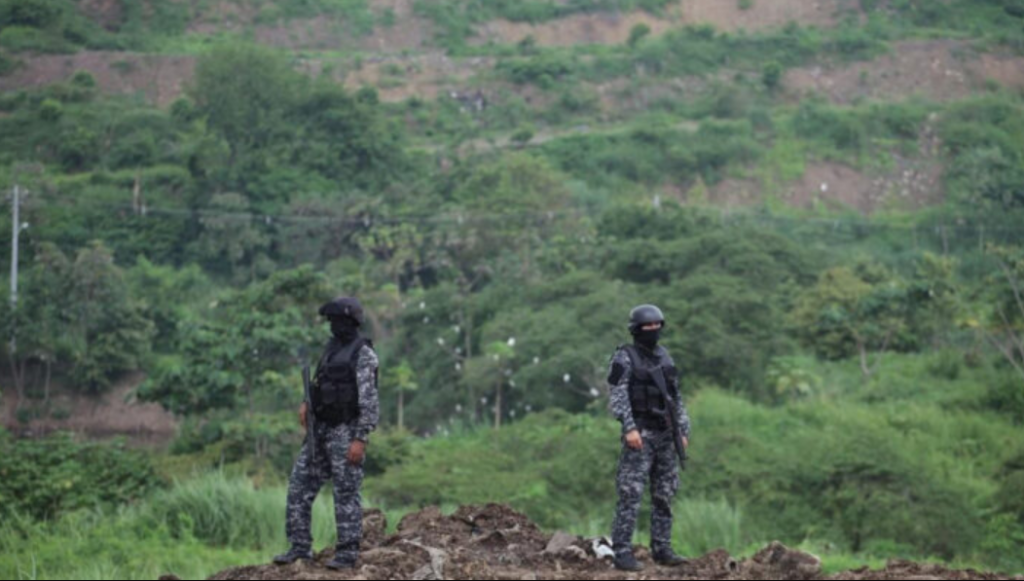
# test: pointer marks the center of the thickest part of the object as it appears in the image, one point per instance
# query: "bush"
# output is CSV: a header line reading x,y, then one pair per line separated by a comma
x,y
8,64
637,34
45,478
84,80
772,75
1007,397
29,13
543,70
23,38
51,110
840,129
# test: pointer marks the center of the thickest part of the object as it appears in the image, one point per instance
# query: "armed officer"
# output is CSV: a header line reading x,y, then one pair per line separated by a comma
x,y
346,407
646,399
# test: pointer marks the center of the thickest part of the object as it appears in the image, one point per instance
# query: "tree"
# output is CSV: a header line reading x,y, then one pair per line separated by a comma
x,y
772,75
935,295
854,312
245,93
1004,323
50,282
230,235
32,13
347,140
637,34
249,340
78,317
403,378
109,334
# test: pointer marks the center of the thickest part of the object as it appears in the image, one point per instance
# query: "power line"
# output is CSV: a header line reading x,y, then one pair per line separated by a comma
x,y
460,217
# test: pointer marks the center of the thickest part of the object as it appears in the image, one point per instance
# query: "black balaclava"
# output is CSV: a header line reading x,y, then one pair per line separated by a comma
x,y
647,339
344,329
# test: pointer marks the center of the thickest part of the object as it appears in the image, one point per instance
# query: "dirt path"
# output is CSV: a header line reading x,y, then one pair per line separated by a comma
x,y
495,542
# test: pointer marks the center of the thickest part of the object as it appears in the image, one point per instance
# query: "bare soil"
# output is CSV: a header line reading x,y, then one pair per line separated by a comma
x,y
937,70
614,28
115,413
158,78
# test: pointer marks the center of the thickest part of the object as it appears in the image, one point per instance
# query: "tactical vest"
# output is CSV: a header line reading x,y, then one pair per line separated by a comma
x,y
336,391
649,406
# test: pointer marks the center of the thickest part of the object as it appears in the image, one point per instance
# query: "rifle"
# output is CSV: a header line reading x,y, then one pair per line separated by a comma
x,y
310,416
677,437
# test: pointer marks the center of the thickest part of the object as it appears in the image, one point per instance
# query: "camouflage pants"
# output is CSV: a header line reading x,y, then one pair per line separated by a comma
x,y
332,464
656,462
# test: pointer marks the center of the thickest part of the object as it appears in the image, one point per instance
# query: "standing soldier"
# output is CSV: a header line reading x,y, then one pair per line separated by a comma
x,y
345,405
646,399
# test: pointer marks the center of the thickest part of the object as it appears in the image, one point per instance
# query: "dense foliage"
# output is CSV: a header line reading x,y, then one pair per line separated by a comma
x,y
856,383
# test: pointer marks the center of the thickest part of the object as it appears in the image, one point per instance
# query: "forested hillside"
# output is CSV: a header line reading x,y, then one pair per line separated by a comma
x,y
824,196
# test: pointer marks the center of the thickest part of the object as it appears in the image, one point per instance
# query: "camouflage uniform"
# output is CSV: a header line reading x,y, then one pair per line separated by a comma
x,y
332,446
657,461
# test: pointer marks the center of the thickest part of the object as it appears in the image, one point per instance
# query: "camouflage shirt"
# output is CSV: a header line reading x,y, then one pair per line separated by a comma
x,y
619,403
369,395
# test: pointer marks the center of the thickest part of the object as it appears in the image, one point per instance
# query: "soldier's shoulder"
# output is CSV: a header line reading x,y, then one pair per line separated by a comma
x,y
367,353
622,355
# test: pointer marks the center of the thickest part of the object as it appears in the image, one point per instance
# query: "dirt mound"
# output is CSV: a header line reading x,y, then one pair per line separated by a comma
x,y
495,542
917,571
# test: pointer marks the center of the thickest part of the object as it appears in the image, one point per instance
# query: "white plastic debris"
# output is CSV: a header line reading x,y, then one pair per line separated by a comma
x,y
602,547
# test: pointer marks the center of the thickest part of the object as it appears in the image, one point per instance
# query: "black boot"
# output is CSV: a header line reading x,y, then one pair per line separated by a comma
x,y
340,564
293,554
666,557
627,562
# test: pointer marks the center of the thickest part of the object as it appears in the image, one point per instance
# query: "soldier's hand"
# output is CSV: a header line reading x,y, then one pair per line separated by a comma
x,y
686,443
303,410
634,441
356,452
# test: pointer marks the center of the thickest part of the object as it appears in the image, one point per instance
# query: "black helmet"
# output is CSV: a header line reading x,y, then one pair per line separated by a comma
x,y
344,307
645,315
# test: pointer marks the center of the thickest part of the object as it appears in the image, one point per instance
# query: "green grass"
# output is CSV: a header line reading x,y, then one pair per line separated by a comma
x,y
194,529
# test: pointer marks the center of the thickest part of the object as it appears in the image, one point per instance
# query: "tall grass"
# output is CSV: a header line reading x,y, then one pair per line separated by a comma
x,y
193,530
213,522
